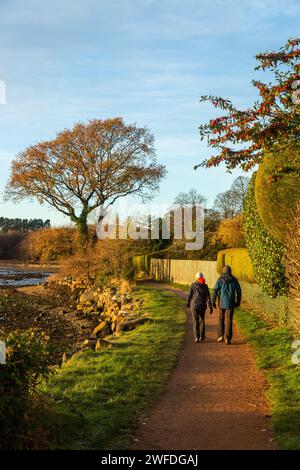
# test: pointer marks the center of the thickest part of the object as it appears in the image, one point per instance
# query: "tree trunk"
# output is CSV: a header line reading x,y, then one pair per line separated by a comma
x,y
82,229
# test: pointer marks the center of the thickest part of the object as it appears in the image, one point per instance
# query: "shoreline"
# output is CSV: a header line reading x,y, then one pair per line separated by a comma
x,y
28,265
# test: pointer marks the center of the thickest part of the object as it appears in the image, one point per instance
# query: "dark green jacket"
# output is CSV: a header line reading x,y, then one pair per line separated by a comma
x,y
228,291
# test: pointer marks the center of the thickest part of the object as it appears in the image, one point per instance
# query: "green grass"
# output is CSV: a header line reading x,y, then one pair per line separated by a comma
x,y
100,396
184,287
273,352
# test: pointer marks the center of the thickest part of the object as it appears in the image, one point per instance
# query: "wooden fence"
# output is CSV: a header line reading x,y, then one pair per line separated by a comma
x,y
183,271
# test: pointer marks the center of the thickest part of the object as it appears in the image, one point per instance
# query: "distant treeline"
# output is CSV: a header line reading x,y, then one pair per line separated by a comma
x,y
23,225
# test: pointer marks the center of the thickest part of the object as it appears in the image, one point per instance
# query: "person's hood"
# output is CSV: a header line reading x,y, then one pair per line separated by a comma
x,y
227,270
226,278
227,274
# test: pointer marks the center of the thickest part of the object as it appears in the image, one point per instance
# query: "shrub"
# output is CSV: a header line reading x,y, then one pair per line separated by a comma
x,y
277,191
292,260
105,260
27,363
240,262
51,244
230,232
115,259
265,251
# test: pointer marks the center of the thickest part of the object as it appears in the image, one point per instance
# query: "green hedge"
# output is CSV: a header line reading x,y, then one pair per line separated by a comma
x,y
240,262
265,251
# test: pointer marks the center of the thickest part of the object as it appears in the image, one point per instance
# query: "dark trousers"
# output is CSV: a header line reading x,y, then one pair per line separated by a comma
x,y
225,323
199,323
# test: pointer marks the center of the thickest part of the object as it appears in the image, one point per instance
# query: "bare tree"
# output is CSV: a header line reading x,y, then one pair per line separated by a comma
x,y
239,189
230,203
192,197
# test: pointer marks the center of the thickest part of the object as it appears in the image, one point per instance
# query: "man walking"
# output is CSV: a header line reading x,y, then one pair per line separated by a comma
x,y
198,299
228,291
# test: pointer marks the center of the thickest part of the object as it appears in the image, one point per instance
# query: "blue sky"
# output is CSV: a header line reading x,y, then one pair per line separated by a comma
x,y
146,60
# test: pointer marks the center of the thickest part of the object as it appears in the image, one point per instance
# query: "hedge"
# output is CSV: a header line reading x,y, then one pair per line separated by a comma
x,y
292,262
277,190
265,251
240,262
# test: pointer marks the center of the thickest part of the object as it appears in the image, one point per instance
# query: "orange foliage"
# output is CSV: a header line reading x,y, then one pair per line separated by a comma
x,y
230,232
50,244
85,167
105,260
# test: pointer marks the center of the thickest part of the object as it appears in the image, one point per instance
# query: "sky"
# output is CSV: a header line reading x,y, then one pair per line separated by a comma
x,y
148,61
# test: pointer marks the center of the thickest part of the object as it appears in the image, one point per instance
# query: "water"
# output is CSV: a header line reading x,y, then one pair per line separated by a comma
x,y
17,277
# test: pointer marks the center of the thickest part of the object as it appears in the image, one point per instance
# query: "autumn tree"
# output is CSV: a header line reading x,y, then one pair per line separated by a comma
x,y
230,232
87,167
240,137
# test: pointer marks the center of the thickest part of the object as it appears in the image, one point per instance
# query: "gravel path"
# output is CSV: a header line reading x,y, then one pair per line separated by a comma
x,y
215,398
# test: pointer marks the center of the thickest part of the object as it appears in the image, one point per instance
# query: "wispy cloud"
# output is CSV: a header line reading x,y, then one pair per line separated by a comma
x,y
147,60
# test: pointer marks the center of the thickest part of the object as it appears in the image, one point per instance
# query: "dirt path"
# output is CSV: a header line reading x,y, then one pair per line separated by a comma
x,y
215,398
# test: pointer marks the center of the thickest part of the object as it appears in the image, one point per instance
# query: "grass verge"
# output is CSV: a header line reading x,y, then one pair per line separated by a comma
x,y
100,396
272,347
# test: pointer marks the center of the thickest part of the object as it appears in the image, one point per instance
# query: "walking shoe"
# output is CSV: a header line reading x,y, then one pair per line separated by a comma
x,y
227,341
202,339
220,339
197,340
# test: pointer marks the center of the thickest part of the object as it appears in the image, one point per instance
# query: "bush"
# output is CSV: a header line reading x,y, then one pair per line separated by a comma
x,y
240,262
292,260
105,260
51,244
265,251
277,190
27,363
230,232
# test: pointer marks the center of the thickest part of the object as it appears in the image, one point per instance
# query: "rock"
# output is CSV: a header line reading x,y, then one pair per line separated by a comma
x,y
103,329
103,344
89,310
131,324
88,343
123,312
127,307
